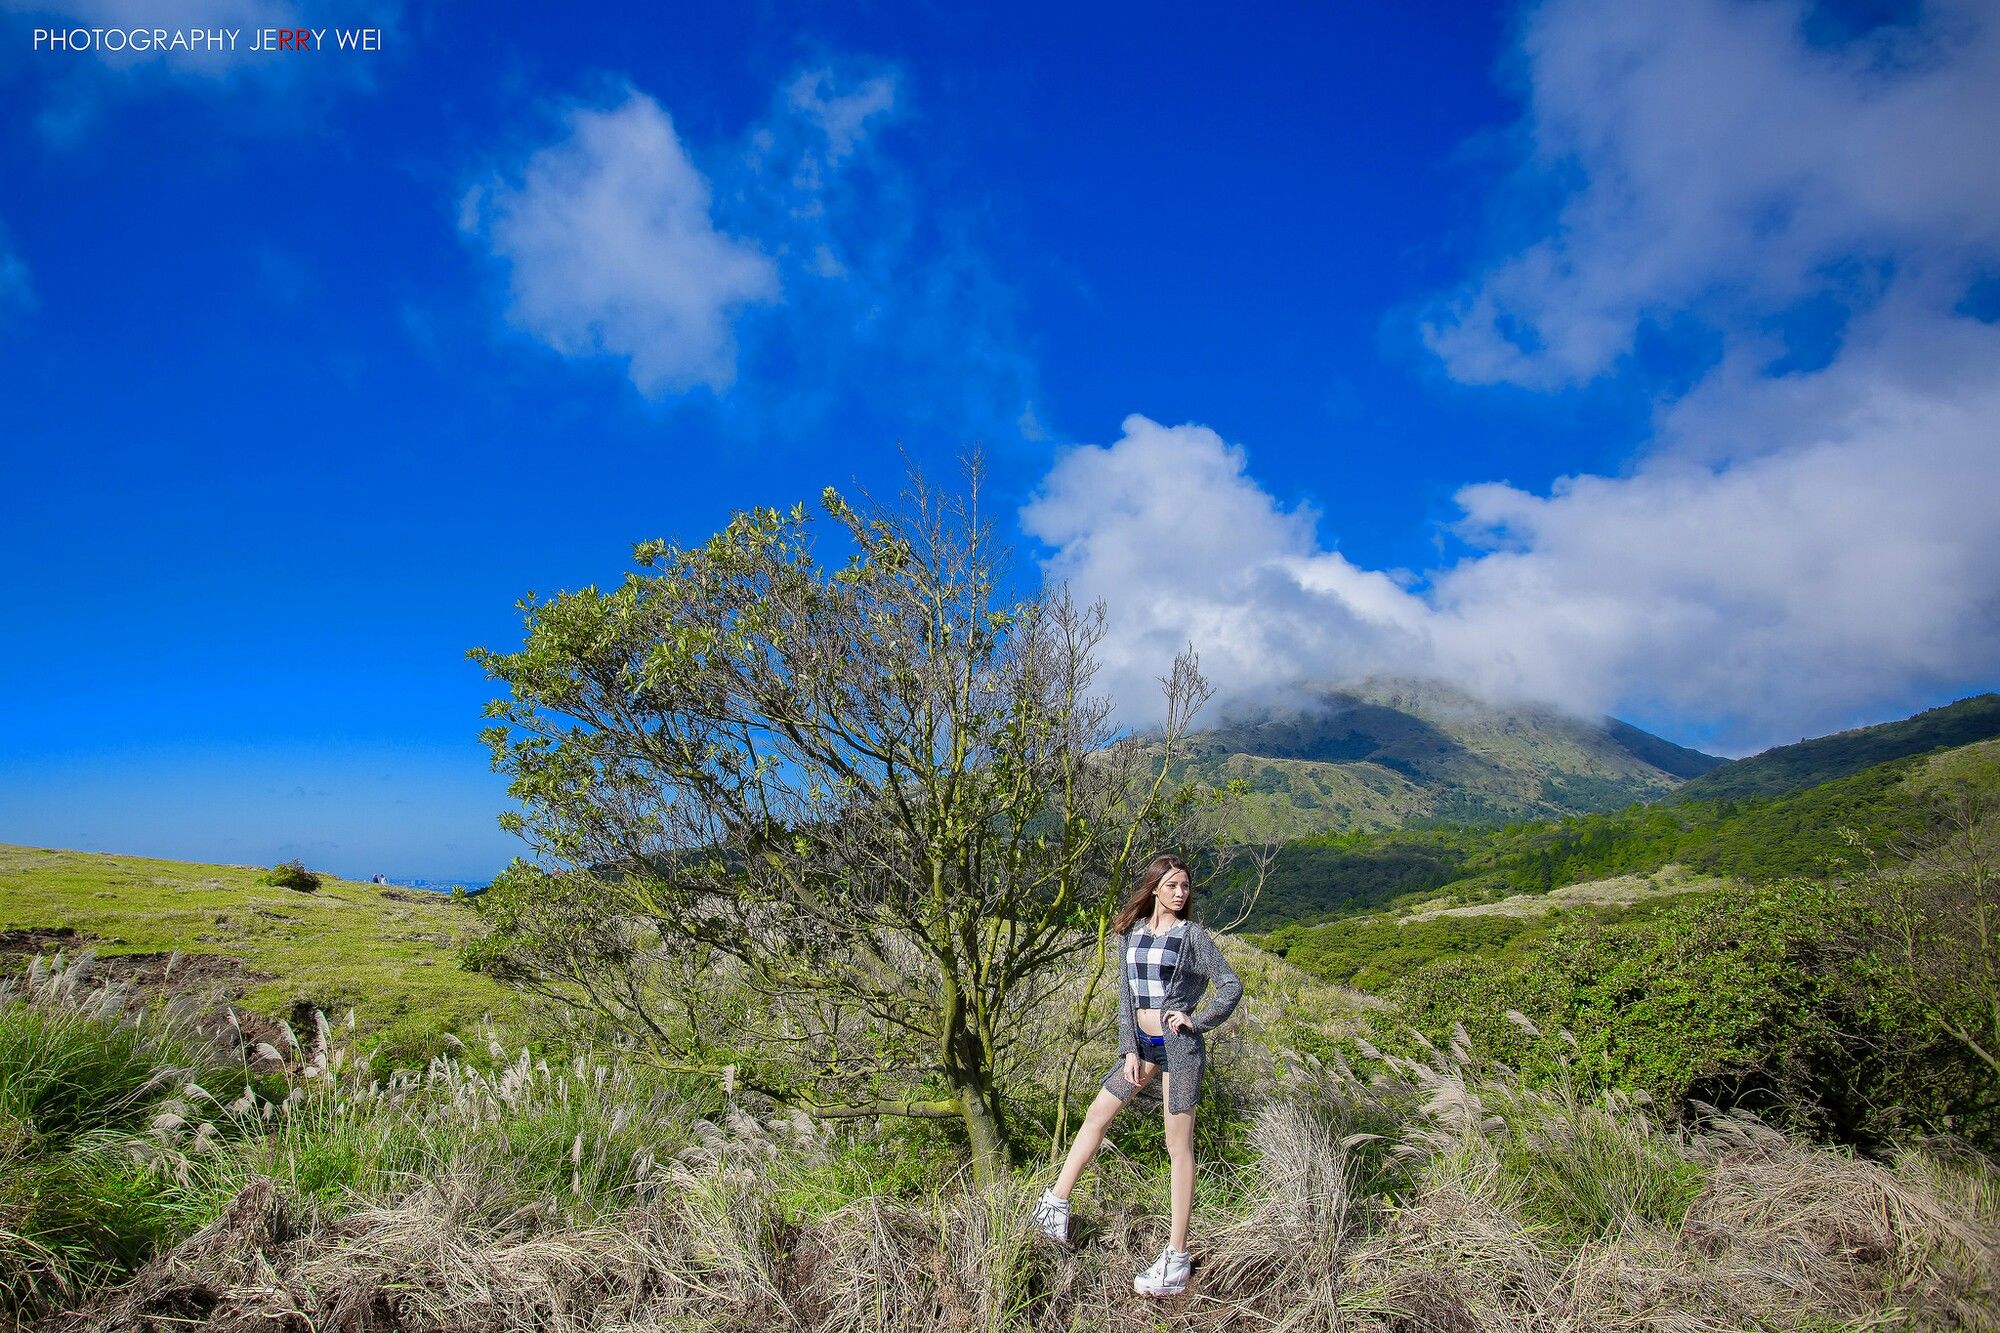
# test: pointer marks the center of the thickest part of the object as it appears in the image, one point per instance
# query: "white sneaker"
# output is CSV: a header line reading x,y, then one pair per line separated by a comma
x,y
1167,1277
1052,1217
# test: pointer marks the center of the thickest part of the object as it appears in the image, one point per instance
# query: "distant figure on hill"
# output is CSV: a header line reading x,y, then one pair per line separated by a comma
x,y
1166,964
379,879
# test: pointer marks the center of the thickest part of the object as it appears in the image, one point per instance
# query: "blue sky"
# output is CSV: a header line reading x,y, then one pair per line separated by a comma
x,y
1637,359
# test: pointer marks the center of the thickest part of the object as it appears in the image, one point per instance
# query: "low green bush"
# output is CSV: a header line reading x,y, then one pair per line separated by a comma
x,y
292,874
1757,997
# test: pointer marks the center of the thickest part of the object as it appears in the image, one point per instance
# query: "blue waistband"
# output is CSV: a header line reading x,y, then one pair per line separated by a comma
x,y
1152,1040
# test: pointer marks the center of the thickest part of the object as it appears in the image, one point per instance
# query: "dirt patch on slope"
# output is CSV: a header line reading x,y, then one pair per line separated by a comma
x,y
165,973
209,984
423,896
42,939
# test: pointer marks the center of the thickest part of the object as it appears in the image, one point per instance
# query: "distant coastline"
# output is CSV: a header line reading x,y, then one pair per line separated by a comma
x,y
444,886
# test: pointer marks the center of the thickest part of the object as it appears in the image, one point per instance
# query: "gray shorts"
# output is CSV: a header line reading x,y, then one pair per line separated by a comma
x,y
1184,1055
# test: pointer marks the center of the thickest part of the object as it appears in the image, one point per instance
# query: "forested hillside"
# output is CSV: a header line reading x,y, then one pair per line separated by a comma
x,y
1755,837
1794,767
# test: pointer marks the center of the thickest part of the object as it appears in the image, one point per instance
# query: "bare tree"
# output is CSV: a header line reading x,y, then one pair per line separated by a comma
x,y
824,830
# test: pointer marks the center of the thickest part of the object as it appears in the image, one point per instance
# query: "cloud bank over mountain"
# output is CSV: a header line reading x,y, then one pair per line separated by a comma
x,y
1808,537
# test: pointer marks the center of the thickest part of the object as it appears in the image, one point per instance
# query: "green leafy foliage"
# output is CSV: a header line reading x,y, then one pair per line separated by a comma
x,y
1763,997
292,874
878,788
1375,953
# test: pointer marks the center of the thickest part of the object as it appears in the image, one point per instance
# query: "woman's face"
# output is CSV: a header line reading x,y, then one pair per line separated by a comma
x,y
1172,892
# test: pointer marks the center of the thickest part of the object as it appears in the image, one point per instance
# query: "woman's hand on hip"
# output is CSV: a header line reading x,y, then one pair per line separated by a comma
x,y
1177,1021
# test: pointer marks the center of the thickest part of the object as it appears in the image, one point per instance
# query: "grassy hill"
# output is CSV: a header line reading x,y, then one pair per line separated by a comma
x,y
1788,768
1723,952
388,954
1497,894
1391,752
1755,839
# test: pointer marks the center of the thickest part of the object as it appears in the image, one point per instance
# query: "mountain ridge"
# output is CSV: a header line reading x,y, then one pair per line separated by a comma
x,y
1809,762
1392,751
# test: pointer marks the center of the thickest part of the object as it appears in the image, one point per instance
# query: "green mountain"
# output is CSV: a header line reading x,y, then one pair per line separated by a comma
x,y
1789,768
1391,752
1754,839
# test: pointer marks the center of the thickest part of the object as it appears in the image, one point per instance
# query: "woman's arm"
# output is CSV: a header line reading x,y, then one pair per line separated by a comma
x,y
1127,1043
1227,990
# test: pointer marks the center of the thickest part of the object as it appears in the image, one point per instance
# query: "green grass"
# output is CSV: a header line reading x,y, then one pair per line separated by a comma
x,y
63,1073
510,1170
347,946
1588,1180
71,1220
123,1130
901,1161
77,1084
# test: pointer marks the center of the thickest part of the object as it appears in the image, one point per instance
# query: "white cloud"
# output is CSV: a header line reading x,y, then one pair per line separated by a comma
x,y
1796,549
1849,563
1167,526
842,113
809,251
611,250
1771,598
1718,163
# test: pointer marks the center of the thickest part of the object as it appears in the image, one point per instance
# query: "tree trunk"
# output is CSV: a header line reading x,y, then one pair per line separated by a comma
x,y
969,1070
986,1131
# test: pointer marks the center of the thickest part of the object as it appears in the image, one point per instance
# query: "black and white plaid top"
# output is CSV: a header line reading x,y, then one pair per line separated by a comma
x,y
1150,961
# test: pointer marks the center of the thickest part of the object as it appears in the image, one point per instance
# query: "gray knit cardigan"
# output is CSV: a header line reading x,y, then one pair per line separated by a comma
x,y
1201,965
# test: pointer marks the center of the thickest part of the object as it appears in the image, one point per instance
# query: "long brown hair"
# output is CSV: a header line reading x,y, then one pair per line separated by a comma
x,y
1141,902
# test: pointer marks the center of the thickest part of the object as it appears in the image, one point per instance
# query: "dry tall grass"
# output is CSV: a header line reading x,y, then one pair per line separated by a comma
x,y
1413,1194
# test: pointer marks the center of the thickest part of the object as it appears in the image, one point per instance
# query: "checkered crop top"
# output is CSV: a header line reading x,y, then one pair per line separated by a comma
x,y
1150,961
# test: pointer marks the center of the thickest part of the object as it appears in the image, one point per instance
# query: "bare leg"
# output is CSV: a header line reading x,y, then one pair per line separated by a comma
x,y
1091,1137
1180,1157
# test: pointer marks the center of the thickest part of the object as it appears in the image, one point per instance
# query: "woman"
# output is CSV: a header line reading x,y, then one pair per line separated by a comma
x,y
1166,964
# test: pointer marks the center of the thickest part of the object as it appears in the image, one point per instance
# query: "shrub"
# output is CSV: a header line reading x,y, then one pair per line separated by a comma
x,y
1757,997
292,874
